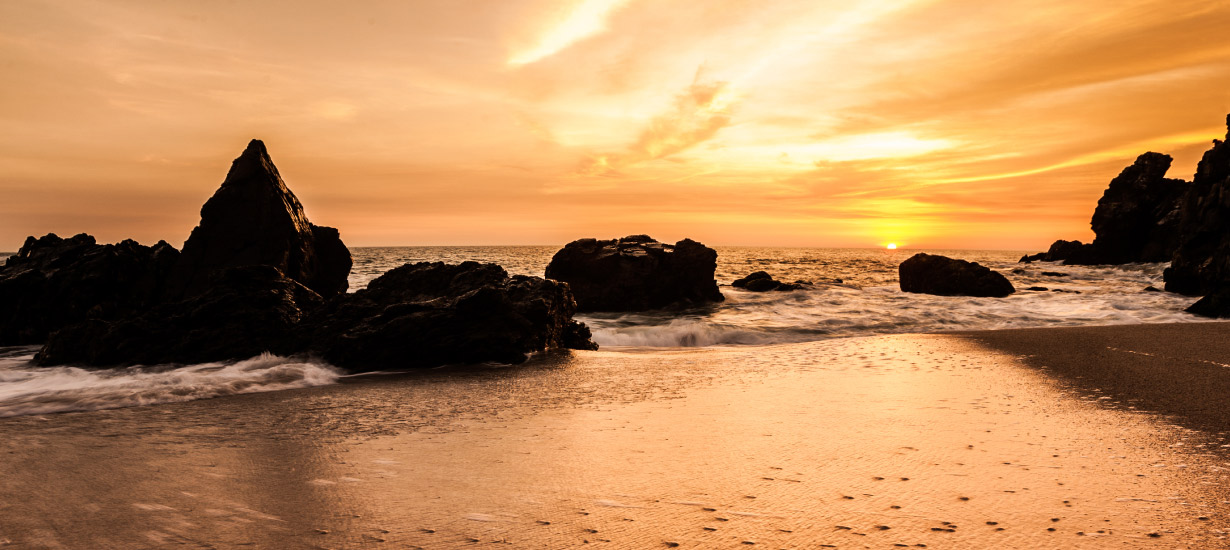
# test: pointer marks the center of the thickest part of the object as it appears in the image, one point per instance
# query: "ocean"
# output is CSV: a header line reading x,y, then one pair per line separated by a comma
x,y
855,294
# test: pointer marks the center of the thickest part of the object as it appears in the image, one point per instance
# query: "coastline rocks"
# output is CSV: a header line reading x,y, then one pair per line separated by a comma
x,y
1201,265
53,282
761,281
636,273
244,311
430,314
1215,305
1137,218
943,276
254,219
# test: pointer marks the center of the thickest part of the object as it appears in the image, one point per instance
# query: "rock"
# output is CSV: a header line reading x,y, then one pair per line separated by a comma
x,y
1038,288
1053,274
636,273
931,274
1152,288
243,312
1201,264
254,219
53,282
1137,218
1215,305
761,281
430,314
1030,258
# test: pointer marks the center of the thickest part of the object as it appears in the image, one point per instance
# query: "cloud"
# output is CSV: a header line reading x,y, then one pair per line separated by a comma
x,y
587,18
696,116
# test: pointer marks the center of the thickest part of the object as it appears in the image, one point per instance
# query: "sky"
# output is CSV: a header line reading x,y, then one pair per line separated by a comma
x,y
814,123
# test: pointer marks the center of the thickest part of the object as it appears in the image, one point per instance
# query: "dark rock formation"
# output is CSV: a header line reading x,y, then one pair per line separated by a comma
x,y
429,314
1137,218
53,282
1053,274
1215,305
1064,251
761,281
243,312
1201,264
636,273
930,274
254,219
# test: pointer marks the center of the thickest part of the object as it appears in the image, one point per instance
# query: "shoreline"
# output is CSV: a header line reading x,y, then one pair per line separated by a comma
x,y
1181,370
900,439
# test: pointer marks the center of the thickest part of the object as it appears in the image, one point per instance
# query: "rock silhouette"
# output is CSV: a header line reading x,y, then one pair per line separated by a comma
x,y
254,219
429,314
241,313
1201,264
760,281
636,273
53,282
944,276
256,276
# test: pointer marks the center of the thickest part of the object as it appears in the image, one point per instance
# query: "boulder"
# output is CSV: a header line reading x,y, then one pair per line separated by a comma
x,y
1201,263
430,314
54,282
1074,252
254,219
636,273
761,281
1215,305
931,274
243,312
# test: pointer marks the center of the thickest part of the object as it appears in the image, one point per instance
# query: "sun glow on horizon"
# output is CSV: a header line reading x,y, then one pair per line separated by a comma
x,y
891,246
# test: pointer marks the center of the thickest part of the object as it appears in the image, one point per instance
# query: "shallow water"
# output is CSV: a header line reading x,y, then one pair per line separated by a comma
x,y
864,442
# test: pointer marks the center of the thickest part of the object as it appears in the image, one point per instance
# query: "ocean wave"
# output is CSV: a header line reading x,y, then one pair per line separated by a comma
x,y
26,390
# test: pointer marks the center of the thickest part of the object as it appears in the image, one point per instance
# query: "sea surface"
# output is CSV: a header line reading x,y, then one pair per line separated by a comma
x,y
855,294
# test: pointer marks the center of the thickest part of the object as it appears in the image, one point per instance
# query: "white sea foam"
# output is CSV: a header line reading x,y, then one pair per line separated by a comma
x,y
26,389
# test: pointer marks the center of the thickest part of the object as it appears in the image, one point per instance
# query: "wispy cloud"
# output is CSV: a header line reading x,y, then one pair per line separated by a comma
x,y
585,18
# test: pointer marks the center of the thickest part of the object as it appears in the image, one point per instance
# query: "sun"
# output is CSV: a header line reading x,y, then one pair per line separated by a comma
x,y
891,246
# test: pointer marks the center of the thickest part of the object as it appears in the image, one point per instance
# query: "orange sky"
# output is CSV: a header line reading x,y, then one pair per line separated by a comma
x,y
962,124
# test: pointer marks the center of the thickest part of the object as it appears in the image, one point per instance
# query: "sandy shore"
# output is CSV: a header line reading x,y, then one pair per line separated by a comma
x,y
939,441
1180,370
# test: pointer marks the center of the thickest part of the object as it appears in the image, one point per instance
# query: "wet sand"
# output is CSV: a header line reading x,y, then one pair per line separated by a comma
x,y
882,442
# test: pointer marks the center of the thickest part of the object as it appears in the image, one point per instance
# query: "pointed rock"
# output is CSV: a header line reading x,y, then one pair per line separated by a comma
x,y
254,219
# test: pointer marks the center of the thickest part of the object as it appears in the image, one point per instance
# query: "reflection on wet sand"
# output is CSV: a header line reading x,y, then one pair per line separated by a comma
x,y
878,442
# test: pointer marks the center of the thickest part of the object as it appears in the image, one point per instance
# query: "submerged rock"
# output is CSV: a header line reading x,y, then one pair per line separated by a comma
x,y
761,281
254,219
636,273
940,275
53,282
243,312
430,314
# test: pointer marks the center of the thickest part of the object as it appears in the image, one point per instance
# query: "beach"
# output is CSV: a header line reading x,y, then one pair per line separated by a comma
x,y
942,440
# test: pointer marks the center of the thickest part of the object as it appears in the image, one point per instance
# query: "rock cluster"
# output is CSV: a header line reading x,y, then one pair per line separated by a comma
x,y
760,281
636,273
1145,217
933,274
257,276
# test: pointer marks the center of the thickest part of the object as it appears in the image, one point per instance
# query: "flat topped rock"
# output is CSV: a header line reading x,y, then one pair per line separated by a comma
x,y
636,273
944,276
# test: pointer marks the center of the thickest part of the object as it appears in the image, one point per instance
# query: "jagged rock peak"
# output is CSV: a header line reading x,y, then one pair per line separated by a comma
x,y
254,219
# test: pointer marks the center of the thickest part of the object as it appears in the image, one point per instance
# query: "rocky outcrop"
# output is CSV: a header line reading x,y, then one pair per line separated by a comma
x,y
636,273
429,314
254,219
931,274
1201,264
54,282
1137,218
243,312
761,281
250,280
